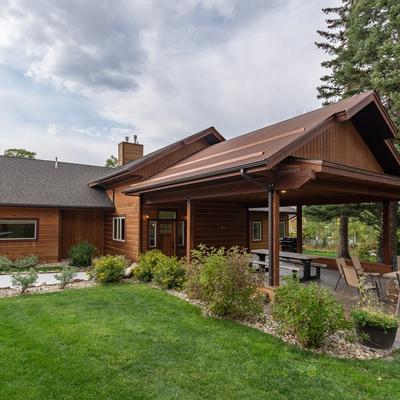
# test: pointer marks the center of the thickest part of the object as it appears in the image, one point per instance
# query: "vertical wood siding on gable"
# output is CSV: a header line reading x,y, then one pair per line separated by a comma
x,y
342,144
46,247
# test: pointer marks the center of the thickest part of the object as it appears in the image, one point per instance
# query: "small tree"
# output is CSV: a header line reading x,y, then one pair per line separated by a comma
x,y
111,162
20,153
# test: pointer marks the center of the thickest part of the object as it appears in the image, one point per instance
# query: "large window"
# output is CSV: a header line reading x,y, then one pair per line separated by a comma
x,y
282,229
256,231
119,229
181,233
18,229
152,233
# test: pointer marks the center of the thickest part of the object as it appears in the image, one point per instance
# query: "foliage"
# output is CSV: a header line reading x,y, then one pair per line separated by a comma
x,y
147,264
5,264
169,273
23,280
374,318
225,281
21,153
108,268
27,262
111,162
81,254
309,312
65,276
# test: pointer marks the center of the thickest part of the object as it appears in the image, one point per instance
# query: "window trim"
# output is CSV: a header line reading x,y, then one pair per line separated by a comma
x,y
118,218
155,234
183,222
34,239
284,228
252,231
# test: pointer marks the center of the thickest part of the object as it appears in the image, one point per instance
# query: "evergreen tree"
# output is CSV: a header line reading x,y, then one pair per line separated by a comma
x,y
21,153
111,162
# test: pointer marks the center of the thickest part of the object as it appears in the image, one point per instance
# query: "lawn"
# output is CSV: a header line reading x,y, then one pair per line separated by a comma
x,y
322,253
130,341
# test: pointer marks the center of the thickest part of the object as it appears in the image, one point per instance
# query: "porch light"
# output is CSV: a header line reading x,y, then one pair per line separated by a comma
x,y
147,216
283,191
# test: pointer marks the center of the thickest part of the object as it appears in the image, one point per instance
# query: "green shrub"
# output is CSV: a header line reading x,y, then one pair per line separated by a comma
x,y
374,318
5,264
26,263
108,268
24,280
147,264
65,276
309,312
169,273
225,281
81,255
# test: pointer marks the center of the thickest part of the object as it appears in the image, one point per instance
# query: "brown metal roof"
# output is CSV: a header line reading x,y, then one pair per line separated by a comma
x,y
266,146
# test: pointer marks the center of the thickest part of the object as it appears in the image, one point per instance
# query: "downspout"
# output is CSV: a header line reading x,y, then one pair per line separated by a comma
x,y
270,190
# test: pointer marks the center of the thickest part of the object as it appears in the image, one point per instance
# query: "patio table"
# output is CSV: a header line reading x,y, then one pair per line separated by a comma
x,y
305,260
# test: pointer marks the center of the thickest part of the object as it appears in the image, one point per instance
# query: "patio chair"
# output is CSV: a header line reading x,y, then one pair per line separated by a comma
x,y
340,262
354,280
360,270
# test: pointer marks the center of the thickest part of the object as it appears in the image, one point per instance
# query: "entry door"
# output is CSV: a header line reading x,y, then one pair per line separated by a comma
x,y
166,237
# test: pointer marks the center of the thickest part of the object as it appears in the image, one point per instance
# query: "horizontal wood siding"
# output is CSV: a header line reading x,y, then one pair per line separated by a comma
x,y
46,247
81,225
342,144
220,225
129,207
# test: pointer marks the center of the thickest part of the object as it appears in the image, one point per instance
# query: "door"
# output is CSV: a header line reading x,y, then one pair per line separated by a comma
x,y
166,237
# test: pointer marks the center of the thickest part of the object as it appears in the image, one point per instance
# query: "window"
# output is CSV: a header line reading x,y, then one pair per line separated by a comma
x,y
256,231
167,214
119,229
18,229
282,229
181,233
152,233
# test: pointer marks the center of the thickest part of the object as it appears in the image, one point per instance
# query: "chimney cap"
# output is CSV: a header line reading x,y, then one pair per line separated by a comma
x,y
126,138
135,139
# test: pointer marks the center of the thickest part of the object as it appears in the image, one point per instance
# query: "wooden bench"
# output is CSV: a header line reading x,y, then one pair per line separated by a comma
x,y
260,265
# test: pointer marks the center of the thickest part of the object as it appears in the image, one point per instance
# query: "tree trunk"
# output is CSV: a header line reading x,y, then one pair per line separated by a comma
x,y
393,231
379,257
344,236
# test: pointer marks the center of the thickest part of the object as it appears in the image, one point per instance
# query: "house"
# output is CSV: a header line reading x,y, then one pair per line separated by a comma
x,y
203,188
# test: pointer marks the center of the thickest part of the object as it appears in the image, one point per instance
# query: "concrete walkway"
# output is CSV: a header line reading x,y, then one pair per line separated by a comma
x,y
48,278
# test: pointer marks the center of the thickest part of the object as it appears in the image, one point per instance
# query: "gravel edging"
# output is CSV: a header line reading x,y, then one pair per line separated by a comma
x,y
335,345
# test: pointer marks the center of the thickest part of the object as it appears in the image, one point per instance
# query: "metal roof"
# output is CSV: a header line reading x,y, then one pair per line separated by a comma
x,y
30,182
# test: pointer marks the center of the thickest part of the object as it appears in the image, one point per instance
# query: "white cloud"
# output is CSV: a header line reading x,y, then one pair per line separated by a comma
x,y
164,69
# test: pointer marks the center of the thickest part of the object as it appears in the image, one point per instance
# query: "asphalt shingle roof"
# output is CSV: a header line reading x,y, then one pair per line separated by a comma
x,y
38,183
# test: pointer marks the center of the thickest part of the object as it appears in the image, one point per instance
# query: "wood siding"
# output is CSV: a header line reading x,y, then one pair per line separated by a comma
x,y
342,144
78,226
128,207
263,217
220,225
46,247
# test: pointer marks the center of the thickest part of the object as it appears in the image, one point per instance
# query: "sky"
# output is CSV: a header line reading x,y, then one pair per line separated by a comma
x,y
76,77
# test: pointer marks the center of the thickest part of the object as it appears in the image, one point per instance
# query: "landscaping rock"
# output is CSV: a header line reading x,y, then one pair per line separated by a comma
x,y
129,271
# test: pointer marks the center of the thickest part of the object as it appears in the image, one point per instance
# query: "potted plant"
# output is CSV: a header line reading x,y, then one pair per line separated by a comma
x,y
376,328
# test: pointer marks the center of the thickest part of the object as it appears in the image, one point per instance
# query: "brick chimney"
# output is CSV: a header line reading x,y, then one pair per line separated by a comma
x,y
129,151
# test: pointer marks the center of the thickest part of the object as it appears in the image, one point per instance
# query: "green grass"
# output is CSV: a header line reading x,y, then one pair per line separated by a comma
x,y
322,253
130,341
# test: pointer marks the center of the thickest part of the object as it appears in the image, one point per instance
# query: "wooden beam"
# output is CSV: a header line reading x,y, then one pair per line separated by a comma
x,y
273,238
386,229
299,228
189,228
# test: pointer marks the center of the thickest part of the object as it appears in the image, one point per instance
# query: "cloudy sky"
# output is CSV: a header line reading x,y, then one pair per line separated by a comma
x,y
77,76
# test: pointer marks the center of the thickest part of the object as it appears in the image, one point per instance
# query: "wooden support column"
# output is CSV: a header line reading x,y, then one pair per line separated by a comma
x,y
299,228
189,228
386,230
273,236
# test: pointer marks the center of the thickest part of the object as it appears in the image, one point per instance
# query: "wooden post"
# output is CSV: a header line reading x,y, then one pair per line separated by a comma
x,y
386,230
299,228
273,236
189,228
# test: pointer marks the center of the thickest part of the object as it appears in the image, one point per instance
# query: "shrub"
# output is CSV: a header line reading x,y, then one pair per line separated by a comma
x,y
81,254
169,273
225,281
108,268
5,264
147,264
374,318
26,263
24,280
309,312
65,276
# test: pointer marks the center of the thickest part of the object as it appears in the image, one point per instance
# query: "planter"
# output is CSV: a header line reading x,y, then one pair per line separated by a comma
x,y
376,337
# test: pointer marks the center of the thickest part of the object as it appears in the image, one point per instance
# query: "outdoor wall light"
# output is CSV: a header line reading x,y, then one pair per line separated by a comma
x,y
283,191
